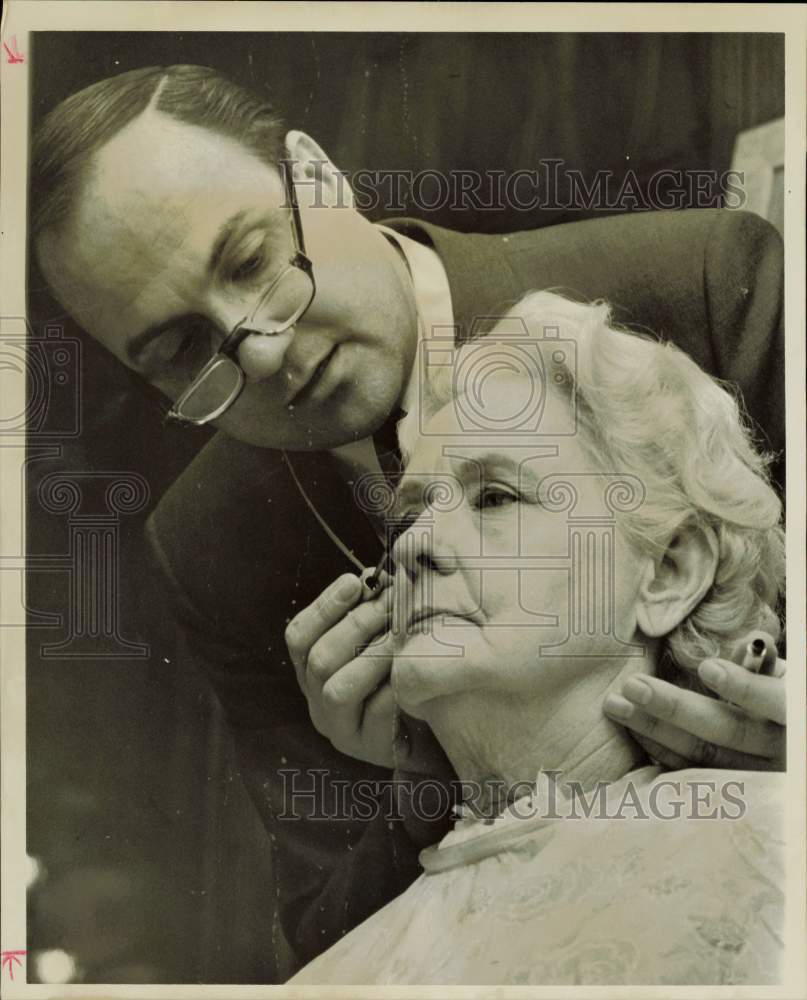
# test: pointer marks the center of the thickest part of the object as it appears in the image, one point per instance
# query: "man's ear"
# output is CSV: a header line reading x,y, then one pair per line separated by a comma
x,y
314,173
675,583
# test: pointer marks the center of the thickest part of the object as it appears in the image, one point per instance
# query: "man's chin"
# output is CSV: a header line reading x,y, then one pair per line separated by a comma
x,y
336,426
297,435
323,440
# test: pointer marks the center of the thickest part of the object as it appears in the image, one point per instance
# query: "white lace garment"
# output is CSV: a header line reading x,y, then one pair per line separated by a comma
x,y
590,900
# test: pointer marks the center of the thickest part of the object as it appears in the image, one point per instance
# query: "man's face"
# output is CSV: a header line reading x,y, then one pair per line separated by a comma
x,y
181,230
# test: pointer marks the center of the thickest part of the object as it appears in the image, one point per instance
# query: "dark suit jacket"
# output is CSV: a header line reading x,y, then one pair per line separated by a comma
x,y
242,553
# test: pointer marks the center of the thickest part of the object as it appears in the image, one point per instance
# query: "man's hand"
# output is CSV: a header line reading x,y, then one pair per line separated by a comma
x,y
346,684
745,730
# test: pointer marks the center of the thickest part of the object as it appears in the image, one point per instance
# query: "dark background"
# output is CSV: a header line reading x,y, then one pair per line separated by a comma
x,y
156,869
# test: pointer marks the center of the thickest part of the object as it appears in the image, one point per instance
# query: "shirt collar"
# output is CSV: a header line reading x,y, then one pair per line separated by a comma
x,y
435,318
432,299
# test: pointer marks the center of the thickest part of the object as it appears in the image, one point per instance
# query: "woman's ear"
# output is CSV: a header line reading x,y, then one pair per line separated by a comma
x,y
314,173
674,584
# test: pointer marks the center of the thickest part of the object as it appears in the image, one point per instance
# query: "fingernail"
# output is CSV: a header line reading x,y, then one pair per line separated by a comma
x,y
347,589
711,673
616,705
637,691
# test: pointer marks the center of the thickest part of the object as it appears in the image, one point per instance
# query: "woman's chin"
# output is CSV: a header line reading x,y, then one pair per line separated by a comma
x,y
425,669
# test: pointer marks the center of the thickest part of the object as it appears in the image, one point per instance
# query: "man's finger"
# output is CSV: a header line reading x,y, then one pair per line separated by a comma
x,y
379,720
380,706
694,750
706,718
320,616
357,680
669,760
346,639
764,696
360,712
742,651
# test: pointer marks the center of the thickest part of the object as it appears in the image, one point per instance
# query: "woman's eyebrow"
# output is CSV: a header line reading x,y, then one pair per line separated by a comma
x,y
485,464
464,468
522,463
409,493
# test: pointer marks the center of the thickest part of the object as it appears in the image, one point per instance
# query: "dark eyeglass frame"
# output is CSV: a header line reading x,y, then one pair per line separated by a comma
x,y
244,328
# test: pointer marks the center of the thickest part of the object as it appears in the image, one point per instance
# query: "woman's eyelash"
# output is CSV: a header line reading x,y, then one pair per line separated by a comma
x,y
495,495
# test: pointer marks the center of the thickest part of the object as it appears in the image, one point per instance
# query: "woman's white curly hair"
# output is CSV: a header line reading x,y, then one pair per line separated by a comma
x,y
645,408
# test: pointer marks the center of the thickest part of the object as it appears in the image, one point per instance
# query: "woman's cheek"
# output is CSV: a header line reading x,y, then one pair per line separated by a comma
x,y
500,531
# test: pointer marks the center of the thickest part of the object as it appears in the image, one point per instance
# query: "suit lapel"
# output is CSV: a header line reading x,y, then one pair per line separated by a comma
x,y
319,475
480,278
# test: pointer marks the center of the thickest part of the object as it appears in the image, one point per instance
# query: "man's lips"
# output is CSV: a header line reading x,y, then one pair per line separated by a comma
x,y
301,388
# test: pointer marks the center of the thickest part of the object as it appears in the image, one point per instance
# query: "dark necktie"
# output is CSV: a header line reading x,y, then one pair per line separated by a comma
x,y
385,440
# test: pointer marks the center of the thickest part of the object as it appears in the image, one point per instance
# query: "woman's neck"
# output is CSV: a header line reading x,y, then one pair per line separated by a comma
x,y
501,746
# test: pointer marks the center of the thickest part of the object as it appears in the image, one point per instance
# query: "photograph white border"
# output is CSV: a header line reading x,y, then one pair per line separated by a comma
x,y
20,17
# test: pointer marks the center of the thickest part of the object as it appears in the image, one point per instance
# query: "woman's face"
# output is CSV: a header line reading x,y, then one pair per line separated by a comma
x,y
505,588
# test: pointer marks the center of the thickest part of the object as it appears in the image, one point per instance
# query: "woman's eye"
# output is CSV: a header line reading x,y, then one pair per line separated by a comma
x,y
496,496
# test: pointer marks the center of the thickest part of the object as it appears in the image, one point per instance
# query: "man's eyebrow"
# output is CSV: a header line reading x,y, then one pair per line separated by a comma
x,y
140,341
225,231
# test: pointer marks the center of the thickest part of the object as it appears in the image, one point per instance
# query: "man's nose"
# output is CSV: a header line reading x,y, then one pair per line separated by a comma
x,y
261,355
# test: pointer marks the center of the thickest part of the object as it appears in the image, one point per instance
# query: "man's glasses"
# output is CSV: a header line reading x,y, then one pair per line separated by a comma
x,y
220,382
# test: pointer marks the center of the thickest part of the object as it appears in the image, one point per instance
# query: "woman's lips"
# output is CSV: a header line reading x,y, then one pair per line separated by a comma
x,y
429,613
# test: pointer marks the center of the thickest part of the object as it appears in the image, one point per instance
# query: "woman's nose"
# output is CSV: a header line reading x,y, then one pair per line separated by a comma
x,y
425,547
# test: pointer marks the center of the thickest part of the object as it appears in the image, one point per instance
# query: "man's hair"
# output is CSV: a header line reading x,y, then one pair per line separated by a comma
x,y
76,129
646,409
